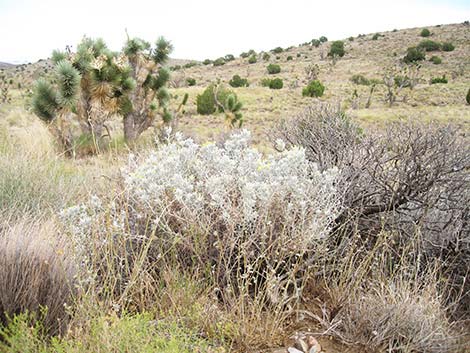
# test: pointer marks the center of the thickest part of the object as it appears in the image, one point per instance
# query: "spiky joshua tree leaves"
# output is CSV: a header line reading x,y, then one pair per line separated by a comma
x,y
150,97
94,84
232,108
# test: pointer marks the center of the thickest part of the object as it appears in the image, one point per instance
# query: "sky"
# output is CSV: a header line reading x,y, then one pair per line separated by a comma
x,y
31,29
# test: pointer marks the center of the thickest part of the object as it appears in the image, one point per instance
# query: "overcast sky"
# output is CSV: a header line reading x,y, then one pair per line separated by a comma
x,y
31,29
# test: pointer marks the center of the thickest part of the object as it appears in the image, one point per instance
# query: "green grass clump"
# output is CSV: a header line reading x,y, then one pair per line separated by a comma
x,y
435,60
139,333
442,79
314,89
447,46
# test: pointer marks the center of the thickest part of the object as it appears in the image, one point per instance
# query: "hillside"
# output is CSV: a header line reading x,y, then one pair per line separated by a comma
x,y
365,56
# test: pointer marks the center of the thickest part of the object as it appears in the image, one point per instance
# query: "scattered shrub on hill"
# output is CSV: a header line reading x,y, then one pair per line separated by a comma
x,y
447,46
191,81
273,69
229,57
337,49
212,99
219,62
275,83
247,54
360,80
323,39
316,43
351,39
414,54
252,59
442,79
314,89
277,50
298,55
429,45
289,58
190,65
436,60
377,36
425,32
237,81
467,98
265,82
207,62
266,57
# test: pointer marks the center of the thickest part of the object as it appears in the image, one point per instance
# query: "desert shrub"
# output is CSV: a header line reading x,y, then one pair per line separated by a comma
x,y
207,103
252,59
351,39
429,45
314,89
323,39
237,81
447,46
265,81
414,54
275,83
266,57
442,79
190,65
360,80
207,62
219,62
191,81
277,50
436,60
425,32
467,98
427,166
298,55
245,221
337,49
289,58
376,36
316,43
229,57
273,69
37,273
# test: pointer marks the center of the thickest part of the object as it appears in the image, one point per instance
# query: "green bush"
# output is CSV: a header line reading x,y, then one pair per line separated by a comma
x,y
316,43
467,98
425,32
435,60
442,79
206,102
323,39
191,81
266,57
277,50
207,62
351,39
219,62
189,65
429,45
298,55
414,54
276,83
229,57
237,81
313,89
289,58
337,49
447,46
252,59
273,69
375,36
360,80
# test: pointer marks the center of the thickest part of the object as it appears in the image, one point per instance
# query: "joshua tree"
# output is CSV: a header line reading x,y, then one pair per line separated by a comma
x,y
95,83
150,95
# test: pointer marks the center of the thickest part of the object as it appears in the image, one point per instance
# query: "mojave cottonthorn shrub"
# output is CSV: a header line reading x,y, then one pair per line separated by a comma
x,y
223,207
